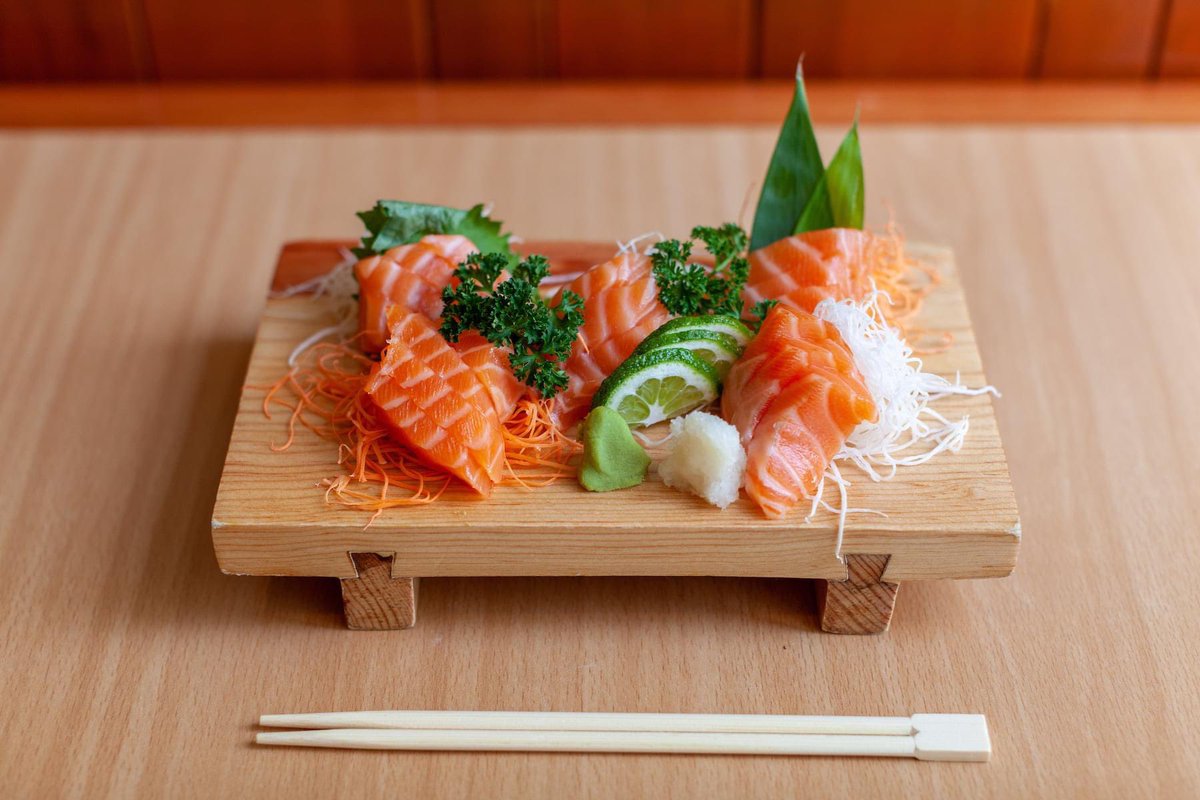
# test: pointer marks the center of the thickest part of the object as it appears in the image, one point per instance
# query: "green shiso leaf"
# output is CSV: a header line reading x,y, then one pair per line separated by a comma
x,y
792,175
392,223
839,198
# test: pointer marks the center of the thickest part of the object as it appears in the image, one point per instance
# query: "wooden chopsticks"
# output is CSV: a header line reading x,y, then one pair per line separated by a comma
x,y
929,737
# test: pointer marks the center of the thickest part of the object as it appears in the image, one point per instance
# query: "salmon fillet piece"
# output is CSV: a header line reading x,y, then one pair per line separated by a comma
x,y
491,367
786,347
802,270
412,277
795,395
432,401
620,309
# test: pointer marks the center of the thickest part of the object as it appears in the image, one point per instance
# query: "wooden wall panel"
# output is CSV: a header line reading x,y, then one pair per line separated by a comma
x,y
1181,45
891,39
1100,38
656,38
485,39
289,39
61,40
122,40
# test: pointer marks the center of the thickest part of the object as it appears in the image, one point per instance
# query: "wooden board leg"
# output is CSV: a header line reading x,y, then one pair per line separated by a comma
x,y
375,601
863,602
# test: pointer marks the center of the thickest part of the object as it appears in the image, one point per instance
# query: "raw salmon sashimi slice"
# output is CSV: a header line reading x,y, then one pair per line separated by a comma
x,y
802,270
802,407
450,246
787,347
490,365
432,401
618,315
801,432
411,276
624,267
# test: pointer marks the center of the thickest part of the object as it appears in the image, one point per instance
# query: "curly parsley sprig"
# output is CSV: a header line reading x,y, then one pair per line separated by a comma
x,y
512,314
759,311
688,288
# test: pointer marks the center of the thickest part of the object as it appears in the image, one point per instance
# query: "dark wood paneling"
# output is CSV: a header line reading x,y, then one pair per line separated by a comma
x,y
485,39
73,40
289,39
1181,45
1100,38
892,39
121,40
656,38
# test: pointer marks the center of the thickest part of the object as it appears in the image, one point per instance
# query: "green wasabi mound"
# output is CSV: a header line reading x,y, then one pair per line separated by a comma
x,y
612,458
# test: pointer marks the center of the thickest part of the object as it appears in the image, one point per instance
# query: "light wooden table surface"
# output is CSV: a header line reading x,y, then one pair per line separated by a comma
x,y
132,272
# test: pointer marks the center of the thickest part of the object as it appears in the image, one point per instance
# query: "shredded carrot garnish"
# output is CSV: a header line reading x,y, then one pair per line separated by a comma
x,y
905,283
537,452
327,395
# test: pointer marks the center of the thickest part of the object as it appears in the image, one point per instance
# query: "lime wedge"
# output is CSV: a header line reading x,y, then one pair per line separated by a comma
x,y
717,323
657,385
716,348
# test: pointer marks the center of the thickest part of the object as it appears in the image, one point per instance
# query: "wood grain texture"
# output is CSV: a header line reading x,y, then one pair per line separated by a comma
x,y
954,517
481,39
863,602
173,40
1181,43
67,40
913,39
1100,38
375,601
610,104
132,271
694,39
289,39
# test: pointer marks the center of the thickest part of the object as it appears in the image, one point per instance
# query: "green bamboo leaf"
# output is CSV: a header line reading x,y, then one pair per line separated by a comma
x,y
838,201
793,174
818,214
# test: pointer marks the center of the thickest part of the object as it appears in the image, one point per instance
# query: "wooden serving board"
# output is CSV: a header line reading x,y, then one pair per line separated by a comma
x,y
954,517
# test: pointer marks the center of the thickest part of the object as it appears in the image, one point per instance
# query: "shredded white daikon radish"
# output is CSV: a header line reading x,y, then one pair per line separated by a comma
x,y
554,281
341,287
632,245
907,431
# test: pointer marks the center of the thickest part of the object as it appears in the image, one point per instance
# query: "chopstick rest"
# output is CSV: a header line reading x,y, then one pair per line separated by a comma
x,y
928,737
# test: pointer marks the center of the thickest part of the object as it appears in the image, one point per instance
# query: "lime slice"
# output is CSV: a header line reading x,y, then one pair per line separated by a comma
x,y
658,385
718,323
718,349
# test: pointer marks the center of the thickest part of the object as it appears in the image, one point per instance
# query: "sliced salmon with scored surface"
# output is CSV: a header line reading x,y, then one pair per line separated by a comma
x,y
432,401
620,310
624,267
490,365
802,270
410,276
450,246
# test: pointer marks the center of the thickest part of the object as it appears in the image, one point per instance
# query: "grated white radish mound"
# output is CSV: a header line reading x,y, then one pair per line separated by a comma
x,y
907,431
705,457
